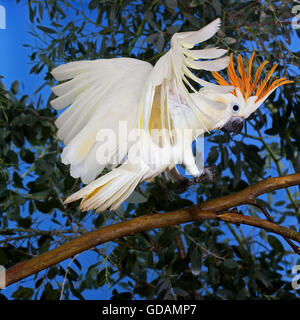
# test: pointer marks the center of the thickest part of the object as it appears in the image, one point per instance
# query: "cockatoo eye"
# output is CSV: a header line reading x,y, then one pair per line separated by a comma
x,y
235,108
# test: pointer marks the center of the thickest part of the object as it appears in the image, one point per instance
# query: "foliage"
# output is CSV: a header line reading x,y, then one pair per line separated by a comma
x,y
201,260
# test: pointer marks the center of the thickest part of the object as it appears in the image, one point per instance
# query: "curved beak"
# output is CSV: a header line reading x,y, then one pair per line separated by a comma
x,y
234,124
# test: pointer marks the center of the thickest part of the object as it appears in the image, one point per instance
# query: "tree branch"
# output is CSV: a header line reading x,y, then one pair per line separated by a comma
x,y
213,209
263,224
267,215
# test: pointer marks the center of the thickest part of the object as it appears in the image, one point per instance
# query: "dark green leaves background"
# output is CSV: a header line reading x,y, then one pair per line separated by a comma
x,y
207,260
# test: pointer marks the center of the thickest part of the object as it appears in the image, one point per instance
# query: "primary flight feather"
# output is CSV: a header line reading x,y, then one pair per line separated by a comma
x,y
138,120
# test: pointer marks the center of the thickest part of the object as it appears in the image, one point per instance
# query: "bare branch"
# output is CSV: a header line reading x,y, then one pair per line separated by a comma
x,y
267,215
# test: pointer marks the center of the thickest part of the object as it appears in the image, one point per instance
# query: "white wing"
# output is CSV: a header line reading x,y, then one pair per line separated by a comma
x,y
100,94
170,76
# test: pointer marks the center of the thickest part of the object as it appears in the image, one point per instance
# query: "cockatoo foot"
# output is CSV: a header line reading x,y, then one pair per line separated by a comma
x,y
207,175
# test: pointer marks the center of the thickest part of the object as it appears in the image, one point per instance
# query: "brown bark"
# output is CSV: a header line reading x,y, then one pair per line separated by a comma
x,y
213,209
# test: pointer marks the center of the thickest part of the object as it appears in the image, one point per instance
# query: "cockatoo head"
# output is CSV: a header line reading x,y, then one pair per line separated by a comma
x,y
248,95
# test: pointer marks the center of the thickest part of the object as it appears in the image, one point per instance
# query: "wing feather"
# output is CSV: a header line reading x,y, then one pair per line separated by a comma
x,y
209,53
189,39
172,74
99,94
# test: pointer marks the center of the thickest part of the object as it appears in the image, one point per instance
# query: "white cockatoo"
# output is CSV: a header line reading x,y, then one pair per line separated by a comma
x,y
137,120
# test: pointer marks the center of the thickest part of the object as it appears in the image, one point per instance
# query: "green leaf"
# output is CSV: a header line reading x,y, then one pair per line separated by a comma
x,y
3,257
49,293
43,206
212,156
181,292
75,292
213,275
44,243
230,264
15,87
120,212
18,182
93,4
18,138
167,236
23,293
101,278
12,157
262,277
47,29
25,222
192,19
31,13
279,203
217,5
136,197
172,4
196,262
41,10
27,156
172,29
61,48
275,244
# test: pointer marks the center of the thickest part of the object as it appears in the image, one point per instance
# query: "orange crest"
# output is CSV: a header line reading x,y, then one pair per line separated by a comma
x,y
246,83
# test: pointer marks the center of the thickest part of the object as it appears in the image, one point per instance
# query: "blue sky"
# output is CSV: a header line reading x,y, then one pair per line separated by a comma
x,y
15,65
14,62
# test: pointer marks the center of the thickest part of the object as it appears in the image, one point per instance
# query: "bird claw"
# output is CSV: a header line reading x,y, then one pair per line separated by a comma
x,y
207,175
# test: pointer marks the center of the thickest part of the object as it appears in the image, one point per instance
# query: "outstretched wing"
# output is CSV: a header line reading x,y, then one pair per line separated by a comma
x,y
170,77
100,94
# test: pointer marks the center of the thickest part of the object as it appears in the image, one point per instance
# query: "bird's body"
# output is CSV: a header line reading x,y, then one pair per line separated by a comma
x,y
139,120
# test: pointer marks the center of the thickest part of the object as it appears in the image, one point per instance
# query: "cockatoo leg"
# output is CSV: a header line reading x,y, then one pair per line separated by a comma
x,y
176,176
207,176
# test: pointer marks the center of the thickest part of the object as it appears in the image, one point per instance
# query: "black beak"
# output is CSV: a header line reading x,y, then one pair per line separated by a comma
x,y
234,124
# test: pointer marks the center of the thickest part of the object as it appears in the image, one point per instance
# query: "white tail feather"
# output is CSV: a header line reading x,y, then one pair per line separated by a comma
x,y
110,190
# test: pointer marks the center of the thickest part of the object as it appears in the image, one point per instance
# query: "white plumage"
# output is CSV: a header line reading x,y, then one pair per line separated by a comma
x,y
102,93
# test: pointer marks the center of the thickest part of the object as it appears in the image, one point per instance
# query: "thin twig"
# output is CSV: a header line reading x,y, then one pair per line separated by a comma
x,y
267,215
66,273
276,161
